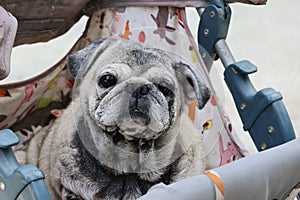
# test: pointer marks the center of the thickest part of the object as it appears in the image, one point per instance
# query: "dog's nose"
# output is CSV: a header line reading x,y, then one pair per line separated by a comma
x,y
139,104
140,92
144,90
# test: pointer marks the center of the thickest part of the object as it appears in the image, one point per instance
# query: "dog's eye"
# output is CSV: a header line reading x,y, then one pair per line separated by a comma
x,y
107,80
166,91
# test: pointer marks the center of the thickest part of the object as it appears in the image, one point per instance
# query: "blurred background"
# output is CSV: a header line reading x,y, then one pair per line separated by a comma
x,y
268,36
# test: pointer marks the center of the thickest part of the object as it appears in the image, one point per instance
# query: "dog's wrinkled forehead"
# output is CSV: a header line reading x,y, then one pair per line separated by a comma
x,y
145,56
135,55
109,51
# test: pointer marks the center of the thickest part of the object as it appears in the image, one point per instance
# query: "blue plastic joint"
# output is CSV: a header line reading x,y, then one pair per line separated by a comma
x,y
8,139
213,26
26,181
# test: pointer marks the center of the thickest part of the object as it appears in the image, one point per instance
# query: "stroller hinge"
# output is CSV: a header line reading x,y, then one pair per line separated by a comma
x,y
213,26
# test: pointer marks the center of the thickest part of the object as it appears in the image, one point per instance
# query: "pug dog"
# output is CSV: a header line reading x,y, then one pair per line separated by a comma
x,y
125,129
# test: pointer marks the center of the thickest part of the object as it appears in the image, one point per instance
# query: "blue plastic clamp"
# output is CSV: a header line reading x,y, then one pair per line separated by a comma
x,y
262,112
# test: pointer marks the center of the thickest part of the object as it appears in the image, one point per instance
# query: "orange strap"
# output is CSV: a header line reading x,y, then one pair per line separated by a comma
x,y
192,110
217,183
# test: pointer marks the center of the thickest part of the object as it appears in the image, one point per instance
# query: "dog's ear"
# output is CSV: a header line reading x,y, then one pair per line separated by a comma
x,y
192,84
77,61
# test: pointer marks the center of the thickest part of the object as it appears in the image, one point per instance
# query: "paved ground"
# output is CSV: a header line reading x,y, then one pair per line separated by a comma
x,y
268,36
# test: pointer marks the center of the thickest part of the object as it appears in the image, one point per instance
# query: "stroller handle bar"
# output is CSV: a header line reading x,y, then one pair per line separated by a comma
x,y
262,112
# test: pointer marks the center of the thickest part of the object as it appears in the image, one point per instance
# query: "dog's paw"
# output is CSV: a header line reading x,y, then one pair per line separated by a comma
x,y
68,195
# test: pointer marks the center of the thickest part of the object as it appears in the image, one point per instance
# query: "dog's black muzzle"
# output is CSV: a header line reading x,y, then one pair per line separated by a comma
x,y
139,104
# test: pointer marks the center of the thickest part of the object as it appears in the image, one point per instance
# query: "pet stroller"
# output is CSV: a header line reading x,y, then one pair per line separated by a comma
x,y
33,103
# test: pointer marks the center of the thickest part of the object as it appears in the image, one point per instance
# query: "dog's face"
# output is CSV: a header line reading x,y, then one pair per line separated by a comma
x,y
138,101
134,94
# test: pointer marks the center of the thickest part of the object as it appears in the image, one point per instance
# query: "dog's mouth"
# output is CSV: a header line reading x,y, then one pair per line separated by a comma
x,y
120,138
117,134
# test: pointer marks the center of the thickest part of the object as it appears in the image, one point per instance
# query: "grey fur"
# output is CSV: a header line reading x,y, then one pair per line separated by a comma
x,y
97,150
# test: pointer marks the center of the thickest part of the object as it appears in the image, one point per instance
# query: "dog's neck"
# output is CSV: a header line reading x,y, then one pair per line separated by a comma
x,y
111,182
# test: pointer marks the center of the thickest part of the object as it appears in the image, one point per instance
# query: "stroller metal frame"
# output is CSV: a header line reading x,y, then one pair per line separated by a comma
x,y
262,112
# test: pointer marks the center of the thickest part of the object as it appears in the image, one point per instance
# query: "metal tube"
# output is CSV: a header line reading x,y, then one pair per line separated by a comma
x,y
224,53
